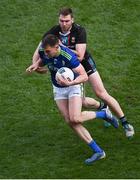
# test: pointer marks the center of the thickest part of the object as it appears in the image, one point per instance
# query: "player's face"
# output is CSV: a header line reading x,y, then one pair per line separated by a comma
x,y
52,51
65,23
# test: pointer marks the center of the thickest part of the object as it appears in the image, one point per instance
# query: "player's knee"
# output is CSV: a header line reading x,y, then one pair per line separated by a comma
x,y
84,102
75,119
72,124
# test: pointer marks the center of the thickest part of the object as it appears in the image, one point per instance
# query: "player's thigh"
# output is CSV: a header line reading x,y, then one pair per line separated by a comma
x,y
75,106
96,82
63,107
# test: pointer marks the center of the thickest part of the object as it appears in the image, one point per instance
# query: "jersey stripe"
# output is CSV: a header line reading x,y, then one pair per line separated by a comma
x,y
65,54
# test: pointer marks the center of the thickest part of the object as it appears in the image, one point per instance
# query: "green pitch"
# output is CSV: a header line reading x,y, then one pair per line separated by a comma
x,y
35,142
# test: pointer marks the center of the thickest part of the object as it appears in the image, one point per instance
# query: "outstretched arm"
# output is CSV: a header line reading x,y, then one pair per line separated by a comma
x,y
36,55
37,67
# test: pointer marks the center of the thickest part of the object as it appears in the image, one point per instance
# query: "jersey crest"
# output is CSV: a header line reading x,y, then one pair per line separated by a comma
x,y
73,39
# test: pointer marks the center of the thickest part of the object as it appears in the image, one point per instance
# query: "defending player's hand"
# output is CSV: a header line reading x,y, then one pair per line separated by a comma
x,y
36,68
32,68
41,70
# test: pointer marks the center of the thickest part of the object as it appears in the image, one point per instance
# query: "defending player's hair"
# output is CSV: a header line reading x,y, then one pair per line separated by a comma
x,y
66,11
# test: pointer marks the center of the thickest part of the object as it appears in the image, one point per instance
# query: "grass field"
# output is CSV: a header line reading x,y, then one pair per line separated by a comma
x,y
35,142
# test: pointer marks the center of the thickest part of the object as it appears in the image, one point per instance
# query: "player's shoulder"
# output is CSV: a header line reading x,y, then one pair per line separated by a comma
x,y
65,49
54,30
66,52
77,27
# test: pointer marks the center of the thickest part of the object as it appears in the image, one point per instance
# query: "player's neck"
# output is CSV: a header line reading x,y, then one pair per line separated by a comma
x,y
66,32
58,52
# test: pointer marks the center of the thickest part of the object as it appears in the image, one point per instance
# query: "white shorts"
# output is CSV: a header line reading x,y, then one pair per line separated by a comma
x,y
67,92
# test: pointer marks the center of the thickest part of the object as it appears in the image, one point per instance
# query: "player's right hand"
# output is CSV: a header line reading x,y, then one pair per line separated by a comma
x,y
32,68
41,70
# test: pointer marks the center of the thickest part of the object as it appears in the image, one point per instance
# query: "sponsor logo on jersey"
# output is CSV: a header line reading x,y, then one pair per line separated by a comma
x,y
73,39
55,61
63,62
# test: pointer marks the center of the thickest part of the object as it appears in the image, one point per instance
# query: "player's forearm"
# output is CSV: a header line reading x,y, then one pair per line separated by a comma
x,y
80,50
82,75
36,56
80,79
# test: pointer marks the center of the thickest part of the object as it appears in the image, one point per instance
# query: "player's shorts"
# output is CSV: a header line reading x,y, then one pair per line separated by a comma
x,y
89,65
67,92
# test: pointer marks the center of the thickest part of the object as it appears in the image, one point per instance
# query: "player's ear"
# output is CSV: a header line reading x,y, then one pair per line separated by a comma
x,y
72,20
57,46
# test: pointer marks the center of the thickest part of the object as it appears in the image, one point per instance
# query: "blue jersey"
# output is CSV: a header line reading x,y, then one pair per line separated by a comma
x,y
66,58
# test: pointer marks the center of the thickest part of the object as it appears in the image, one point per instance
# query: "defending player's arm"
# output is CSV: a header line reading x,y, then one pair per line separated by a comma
x,y
34,66
36,55
81,43
36,60
37,67
80,51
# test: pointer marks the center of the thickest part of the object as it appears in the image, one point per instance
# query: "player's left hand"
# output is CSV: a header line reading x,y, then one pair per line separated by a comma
x,y
41,70
64,82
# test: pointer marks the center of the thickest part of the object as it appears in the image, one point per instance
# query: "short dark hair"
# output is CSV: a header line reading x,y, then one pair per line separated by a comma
x,y
66,11
50,40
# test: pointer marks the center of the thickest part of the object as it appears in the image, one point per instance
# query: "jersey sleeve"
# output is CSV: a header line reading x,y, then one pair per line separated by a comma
x,y
82,37
74,62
